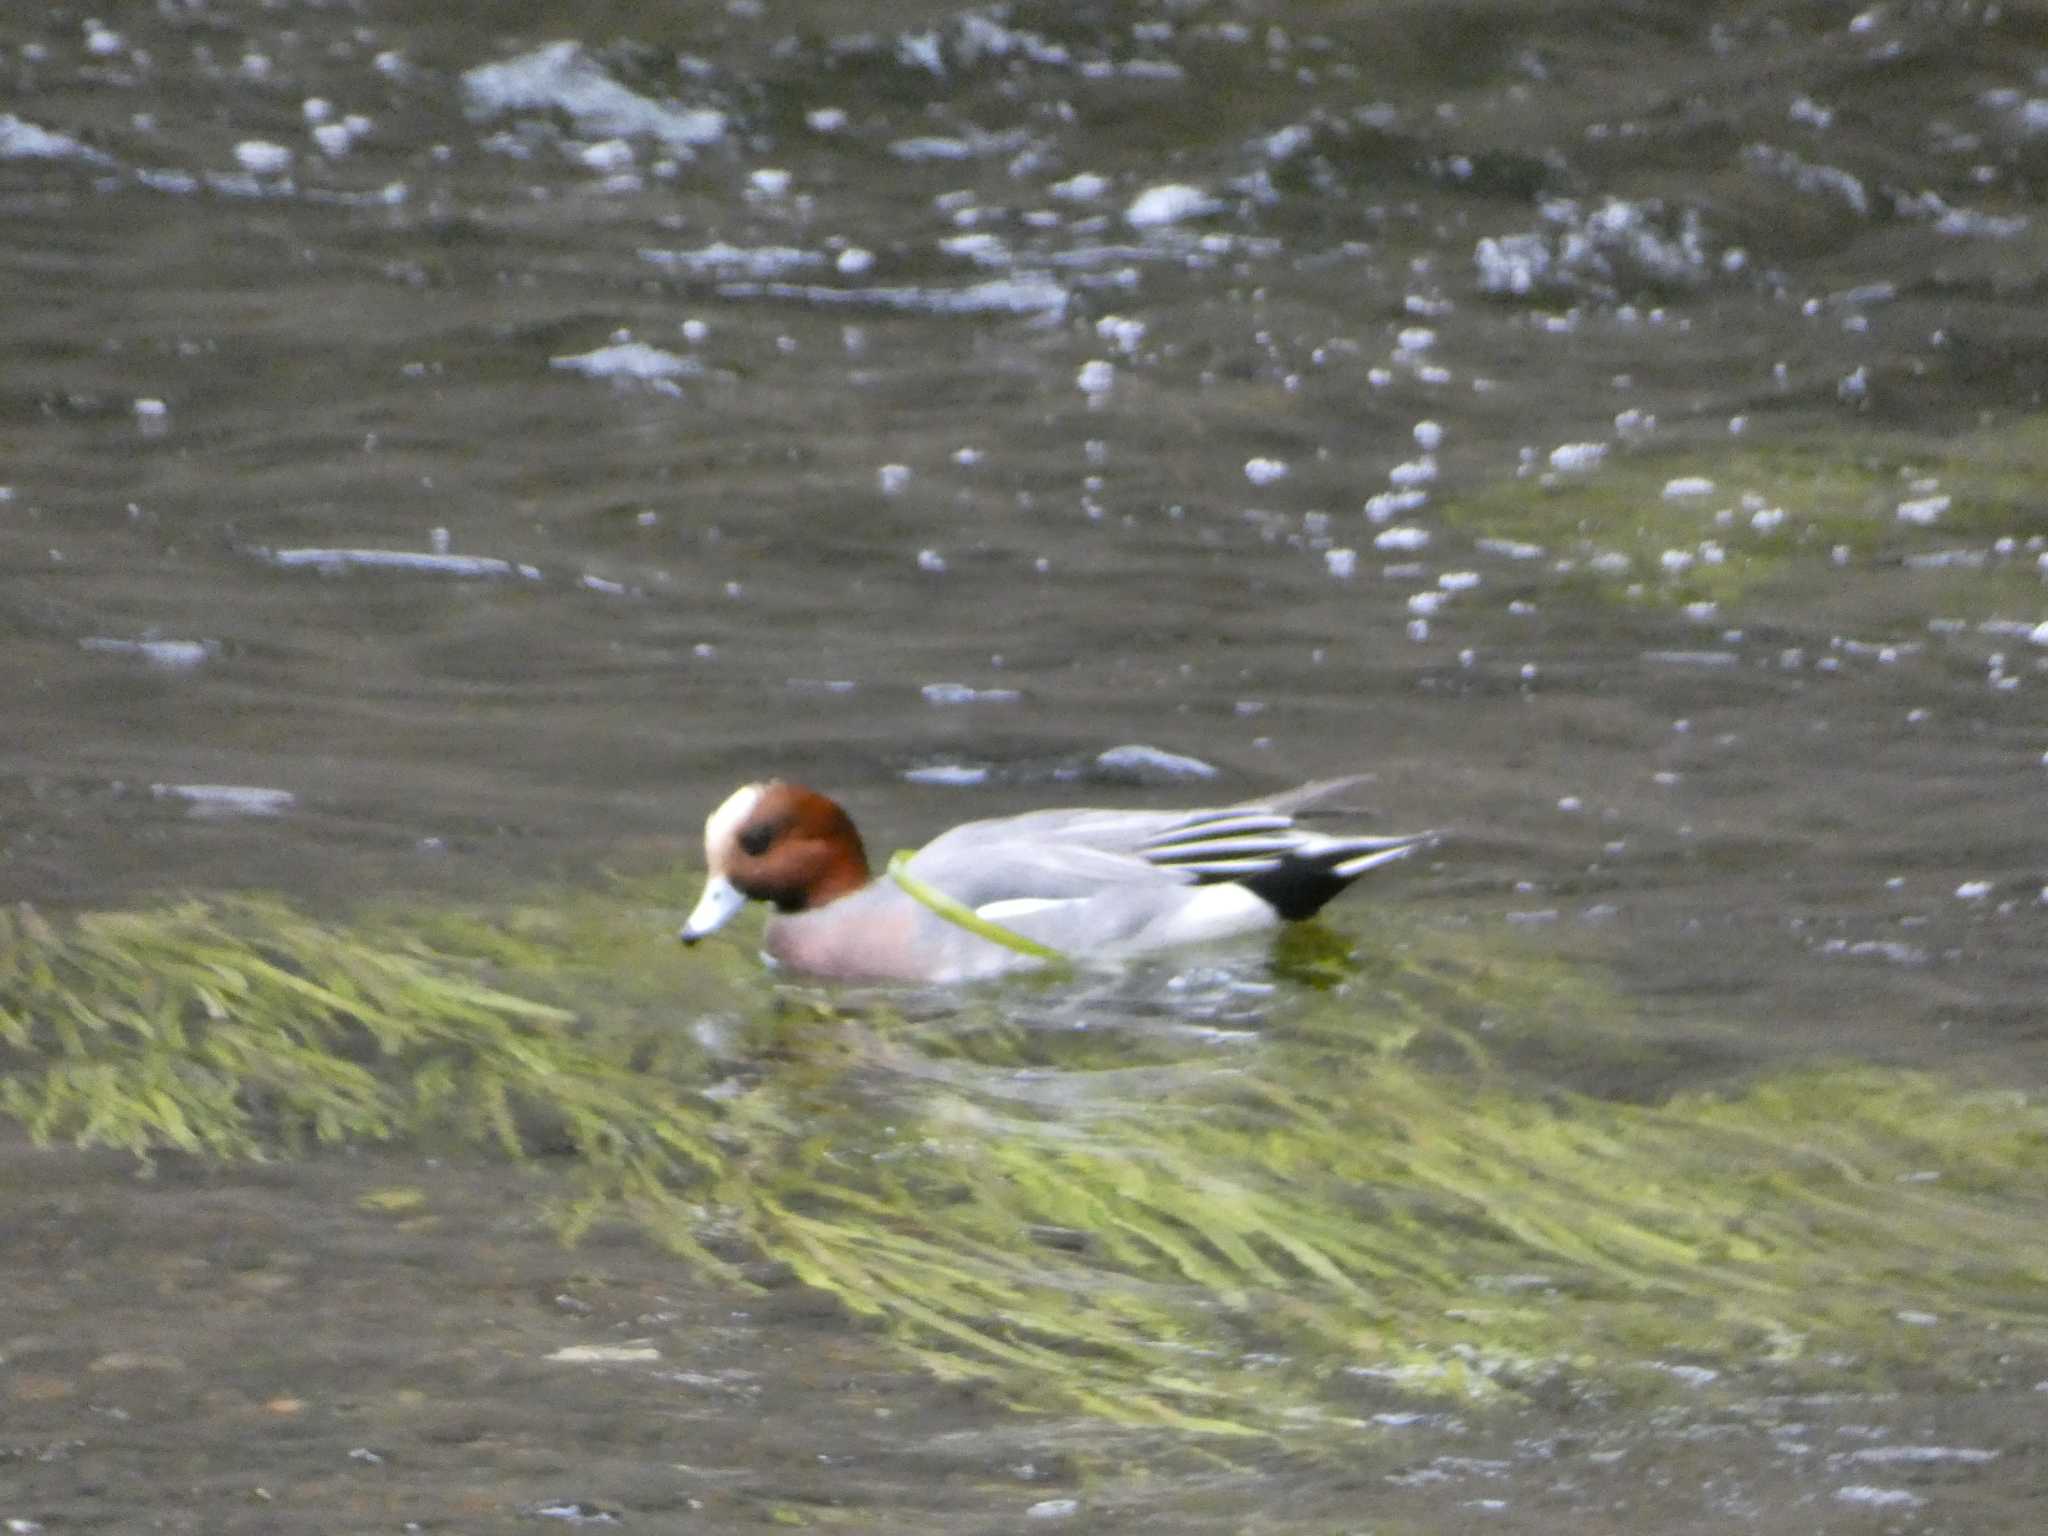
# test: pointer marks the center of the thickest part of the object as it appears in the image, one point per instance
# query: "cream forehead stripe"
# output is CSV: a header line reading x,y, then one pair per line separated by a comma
x,y
723,825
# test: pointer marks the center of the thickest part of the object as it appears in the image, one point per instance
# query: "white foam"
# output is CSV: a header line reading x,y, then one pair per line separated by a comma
x,y
750,261
562,77
1095,377
1924,1455
1577,458
260,157
171,655
1808,177
1152,763
1923,511
1513,264
924,147
947,775
1124,333
1391,504
630,361
979,247
23,140
1026,293
332,562
1169,203
1084,188
1879,1498
1053,1509
227,799
962,693
1284,143
1692,658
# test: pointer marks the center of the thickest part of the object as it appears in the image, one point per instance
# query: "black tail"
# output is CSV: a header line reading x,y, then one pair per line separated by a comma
x,y
1301,883
1293,871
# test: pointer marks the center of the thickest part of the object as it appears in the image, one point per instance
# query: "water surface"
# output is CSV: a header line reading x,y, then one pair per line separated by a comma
x,y
1614,430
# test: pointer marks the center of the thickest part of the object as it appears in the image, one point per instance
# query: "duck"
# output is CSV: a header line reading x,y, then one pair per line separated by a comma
x,y
1049,888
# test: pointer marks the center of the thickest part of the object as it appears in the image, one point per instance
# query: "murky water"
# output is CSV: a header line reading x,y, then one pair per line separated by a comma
x,y
1614,428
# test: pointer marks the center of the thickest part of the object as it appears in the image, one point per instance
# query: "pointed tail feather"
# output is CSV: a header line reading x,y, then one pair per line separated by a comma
x,y
1301,885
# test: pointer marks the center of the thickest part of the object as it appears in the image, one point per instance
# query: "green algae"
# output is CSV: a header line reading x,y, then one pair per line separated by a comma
x,y
1351,1197
1779,514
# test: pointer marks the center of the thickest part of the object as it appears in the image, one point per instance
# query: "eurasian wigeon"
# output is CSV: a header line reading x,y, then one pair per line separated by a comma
x,y
1020,891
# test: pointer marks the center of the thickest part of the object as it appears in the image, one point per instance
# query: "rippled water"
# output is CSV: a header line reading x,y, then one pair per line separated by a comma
x,y
443,457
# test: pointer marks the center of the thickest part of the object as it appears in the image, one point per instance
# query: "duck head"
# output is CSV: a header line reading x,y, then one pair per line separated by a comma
x,y
775,842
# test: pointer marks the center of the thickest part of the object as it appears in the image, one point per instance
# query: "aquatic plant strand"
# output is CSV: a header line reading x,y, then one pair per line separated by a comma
x,y
1124,1220
963,916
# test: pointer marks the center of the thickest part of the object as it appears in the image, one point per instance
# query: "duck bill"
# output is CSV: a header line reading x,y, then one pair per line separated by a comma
x,y
719,905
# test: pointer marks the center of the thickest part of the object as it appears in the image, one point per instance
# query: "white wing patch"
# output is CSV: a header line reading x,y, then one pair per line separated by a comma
x,y
1018,906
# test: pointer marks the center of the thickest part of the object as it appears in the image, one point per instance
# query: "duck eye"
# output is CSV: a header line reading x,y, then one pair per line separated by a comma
x,y
755,840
